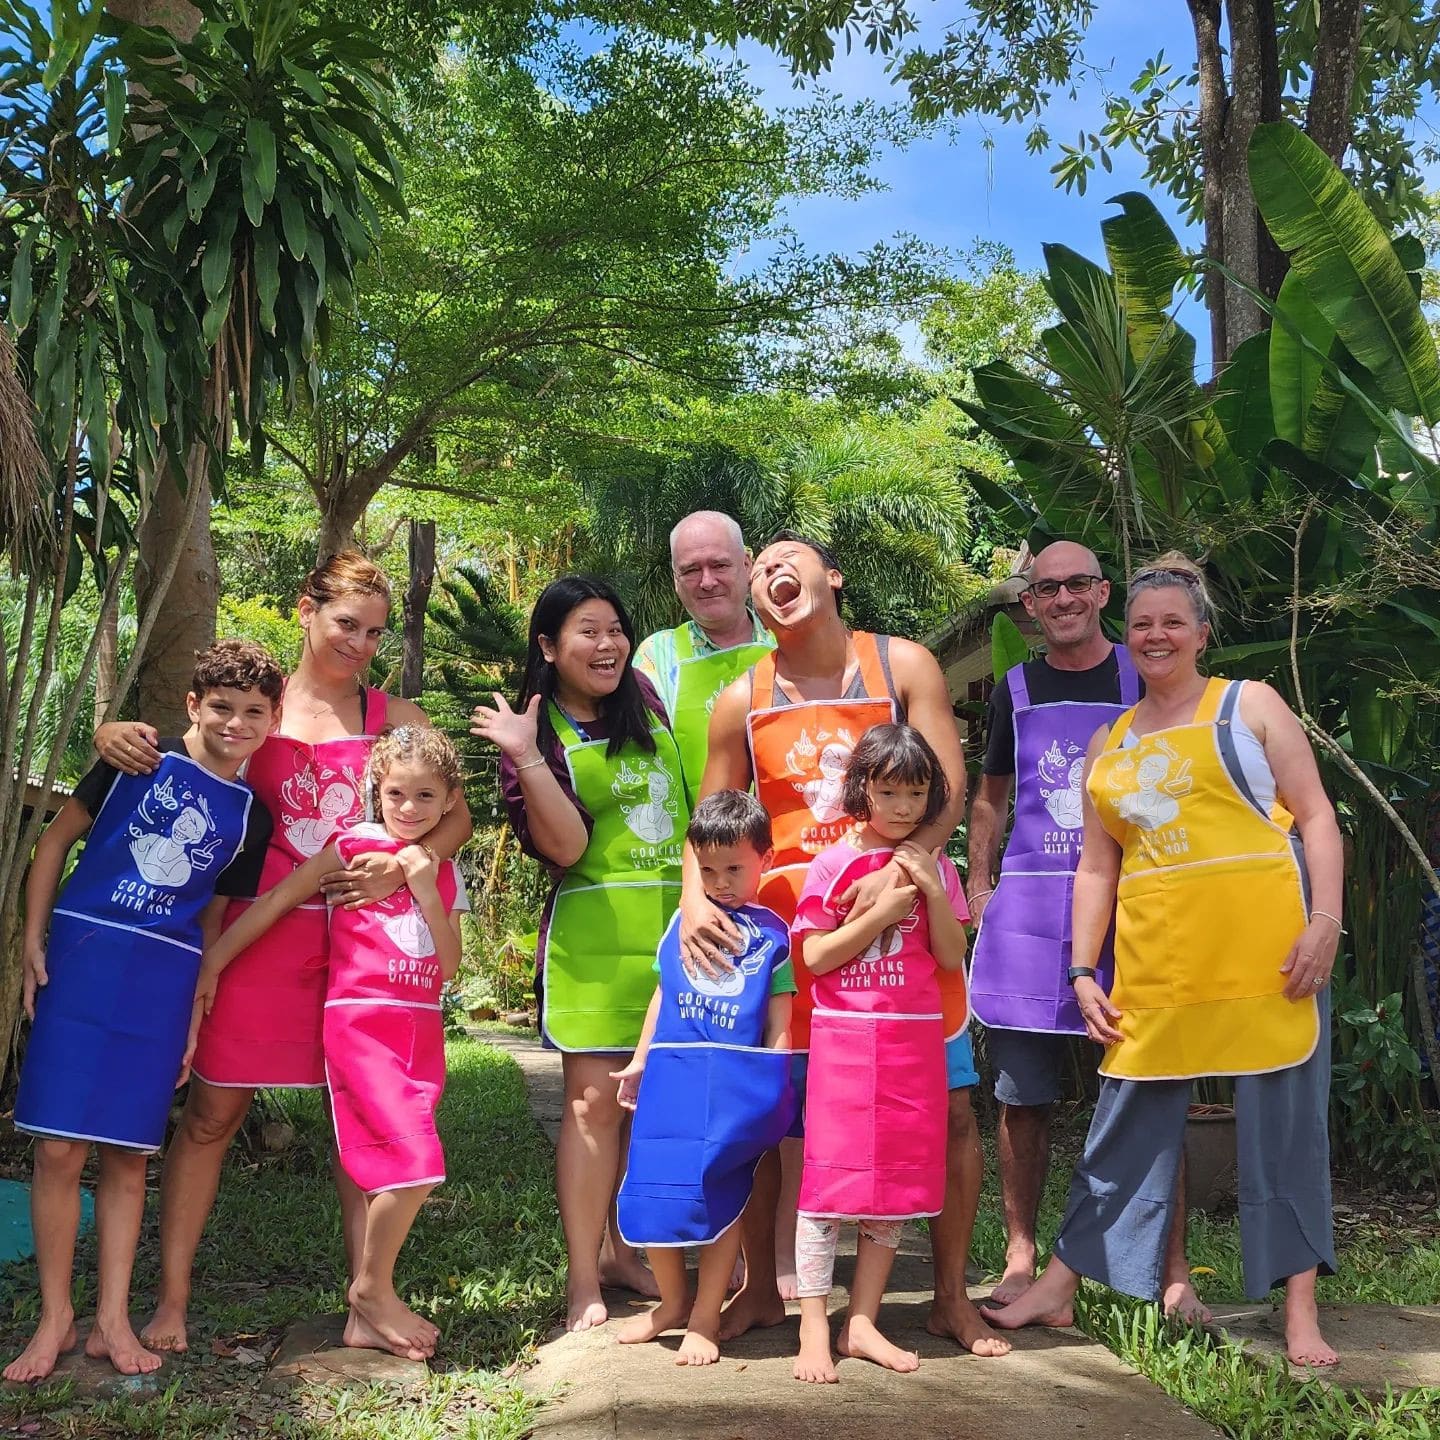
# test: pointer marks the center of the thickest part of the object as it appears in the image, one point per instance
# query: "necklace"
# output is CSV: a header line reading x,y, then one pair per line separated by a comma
x,y
314,710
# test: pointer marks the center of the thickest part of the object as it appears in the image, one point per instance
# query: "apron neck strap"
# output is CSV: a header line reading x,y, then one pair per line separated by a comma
x,y
1019,690
1129,676
685,641
1208,710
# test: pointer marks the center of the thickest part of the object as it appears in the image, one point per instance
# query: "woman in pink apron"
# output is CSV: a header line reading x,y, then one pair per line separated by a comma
x,y
267,1023
876,1103
384,1036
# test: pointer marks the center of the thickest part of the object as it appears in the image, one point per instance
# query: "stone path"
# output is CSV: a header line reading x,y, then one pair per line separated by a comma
x,y
1056,1382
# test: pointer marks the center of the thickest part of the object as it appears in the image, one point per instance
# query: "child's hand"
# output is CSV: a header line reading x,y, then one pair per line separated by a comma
x,y
895,903
629,1079
197,1014
919,865
36,974
206,984
421,866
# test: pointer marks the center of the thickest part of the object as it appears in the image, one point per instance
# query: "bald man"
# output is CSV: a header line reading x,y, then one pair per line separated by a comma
x,y
1042,716
691,664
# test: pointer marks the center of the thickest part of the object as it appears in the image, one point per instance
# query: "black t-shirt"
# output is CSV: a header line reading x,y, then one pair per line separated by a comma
x,y
1047,686
241,877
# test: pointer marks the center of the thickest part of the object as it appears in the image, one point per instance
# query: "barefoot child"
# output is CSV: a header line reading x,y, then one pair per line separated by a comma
x,y
875,1115
384,1038
110,990
710,1085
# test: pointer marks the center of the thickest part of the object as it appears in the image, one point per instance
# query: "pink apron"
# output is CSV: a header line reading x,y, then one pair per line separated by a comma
x,y
875,1109
265,1027
384,1036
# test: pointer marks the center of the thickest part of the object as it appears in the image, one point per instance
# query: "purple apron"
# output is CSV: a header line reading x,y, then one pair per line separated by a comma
x,y
1017,976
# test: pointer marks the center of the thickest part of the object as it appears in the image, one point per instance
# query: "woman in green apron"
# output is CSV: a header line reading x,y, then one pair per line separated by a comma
x,y
592,784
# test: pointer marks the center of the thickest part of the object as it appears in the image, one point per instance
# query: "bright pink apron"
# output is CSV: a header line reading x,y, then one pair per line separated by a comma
x,y
875,1109
384,1036
265,1027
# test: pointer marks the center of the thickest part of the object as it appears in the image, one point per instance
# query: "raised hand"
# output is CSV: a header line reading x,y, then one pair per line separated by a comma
x,y
513,732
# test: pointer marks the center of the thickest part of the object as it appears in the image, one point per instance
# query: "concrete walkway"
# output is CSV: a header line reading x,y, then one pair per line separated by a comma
x,y
1056,1382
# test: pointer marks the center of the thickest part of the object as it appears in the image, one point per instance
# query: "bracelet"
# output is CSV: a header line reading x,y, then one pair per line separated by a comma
x,y
1326,915
530,764
982,894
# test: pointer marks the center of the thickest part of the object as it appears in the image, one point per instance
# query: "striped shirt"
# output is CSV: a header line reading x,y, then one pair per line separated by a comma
x,y
656,658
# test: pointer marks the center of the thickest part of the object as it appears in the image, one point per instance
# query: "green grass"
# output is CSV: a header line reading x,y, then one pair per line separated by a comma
x,y
485,1261
1242,1397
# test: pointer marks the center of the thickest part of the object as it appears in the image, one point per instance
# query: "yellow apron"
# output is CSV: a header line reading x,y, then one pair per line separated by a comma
x,y
1212,895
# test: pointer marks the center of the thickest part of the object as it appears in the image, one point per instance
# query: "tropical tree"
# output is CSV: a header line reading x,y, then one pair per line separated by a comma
x,y
1353,74
567,273
898,524
1299,479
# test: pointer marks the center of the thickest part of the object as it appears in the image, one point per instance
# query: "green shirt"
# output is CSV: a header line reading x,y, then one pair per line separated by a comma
x,y
655,656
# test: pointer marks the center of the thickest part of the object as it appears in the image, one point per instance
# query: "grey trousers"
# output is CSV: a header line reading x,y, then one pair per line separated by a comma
x,y
1122,1198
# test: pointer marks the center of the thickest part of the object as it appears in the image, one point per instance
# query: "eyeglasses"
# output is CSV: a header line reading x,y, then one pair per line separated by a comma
x,y
1075,584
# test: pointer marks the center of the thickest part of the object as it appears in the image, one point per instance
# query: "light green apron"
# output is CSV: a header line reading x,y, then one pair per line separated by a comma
x,y
614,903
700,680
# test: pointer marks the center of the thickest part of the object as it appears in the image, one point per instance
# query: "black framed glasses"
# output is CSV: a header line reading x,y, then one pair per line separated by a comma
x,y
1075,584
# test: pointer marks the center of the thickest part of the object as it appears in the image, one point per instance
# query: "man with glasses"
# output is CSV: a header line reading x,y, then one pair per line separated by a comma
x,y
691,664
1041,719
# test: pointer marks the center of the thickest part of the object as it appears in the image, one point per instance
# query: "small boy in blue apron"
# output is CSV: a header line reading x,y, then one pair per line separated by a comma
x,y
110,972
709,1084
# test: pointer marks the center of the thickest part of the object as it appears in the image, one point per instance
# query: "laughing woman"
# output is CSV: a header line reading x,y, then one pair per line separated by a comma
x,y
591,778
1210,838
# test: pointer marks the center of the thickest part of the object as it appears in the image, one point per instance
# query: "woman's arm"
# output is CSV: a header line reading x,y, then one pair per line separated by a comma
x,y
1092,906
1301,791
300,885
777,1022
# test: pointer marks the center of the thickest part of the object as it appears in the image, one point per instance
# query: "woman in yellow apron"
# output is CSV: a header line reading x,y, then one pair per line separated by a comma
x,y
592,784
1210,838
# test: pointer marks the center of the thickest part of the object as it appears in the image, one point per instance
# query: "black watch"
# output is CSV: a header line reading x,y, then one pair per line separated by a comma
x,y
1076,971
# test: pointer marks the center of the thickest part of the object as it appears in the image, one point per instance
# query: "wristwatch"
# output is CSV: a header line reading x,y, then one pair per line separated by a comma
x,y
1076,971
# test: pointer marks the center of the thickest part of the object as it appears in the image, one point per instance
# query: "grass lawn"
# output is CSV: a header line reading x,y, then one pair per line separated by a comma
x,y
485,1261
1387,1255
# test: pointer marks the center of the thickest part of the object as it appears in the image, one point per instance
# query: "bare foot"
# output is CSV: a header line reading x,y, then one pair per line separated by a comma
x,y
1019,1276
736,1282
629,1272
167,1329
1180,1300
115,1341
385,1322
750,1311
584,1308
860,1340
698,1347
52,1338
1304,1344
957,1318
1049,1301
814,1364
653,1323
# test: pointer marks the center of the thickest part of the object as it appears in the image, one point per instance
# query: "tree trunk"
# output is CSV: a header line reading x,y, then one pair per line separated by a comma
x,y
339,515
1330,113
1210,65
107,664
417,598
186,622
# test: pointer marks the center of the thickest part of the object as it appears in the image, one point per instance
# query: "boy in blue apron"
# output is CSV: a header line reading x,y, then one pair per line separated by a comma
x,y
110,971
709,1084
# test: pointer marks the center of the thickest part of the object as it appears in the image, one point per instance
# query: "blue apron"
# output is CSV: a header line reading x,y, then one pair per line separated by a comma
x,y
123,955
712,1099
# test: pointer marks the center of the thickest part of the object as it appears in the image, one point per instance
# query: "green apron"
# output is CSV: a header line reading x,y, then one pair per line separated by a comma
x,y
700,680
614,903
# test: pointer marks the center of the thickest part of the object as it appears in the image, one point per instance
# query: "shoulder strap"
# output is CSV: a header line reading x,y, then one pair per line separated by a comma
x,y
1120,729
565,732
374,707
1019,688
762,683
1129,676
684,641
874,668
1208,710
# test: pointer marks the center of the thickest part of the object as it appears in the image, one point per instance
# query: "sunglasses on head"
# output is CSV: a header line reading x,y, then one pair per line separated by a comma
x,y
1075,584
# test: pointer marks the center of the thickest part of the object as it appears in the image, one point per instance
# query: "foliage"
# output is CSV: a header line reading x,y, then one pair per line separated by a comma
x,y
1315,510
1012,61
1008,647
895,517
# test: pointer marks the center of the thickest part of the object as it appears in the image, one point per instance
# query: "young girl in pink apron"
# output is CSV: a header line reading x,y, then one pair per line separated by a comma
x,y
383,1034
876,1106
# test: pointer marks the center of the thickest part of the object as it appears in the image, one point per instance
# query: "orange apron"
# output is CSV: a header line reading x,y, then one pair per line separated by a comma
x,y
798,754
